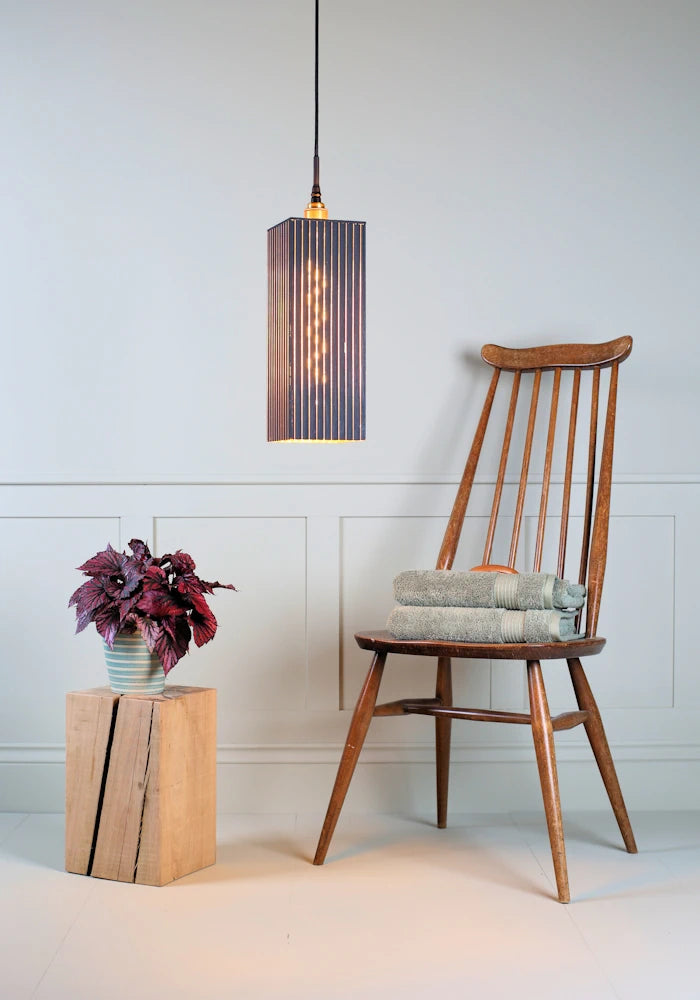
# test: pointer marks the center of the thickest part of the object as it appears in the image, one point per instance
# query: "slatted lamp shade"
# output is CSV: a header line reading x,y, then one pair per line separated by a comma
x,y
316,323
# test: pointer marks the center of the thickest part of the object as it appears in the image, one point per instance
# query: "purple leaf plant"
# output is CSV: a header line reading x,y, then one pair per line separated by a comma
x,y
160,597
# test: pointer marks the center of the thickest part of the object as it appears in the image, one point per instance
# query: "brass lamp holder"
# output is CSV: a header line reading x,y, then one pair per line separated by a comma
x,y
315,210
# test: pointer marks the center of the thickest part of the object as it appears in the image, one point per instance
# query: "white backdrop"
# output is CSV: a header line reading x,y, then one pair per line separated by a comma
x,y
527,173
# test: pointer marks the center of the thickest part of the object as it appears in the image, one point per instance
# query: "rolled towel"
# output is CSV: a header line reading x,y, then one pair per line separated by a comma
x,y
481,624
515,591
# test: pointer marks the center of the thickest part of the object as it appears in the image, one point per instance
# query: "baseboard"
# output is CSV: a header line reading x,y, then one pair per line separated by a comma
x,y
391,779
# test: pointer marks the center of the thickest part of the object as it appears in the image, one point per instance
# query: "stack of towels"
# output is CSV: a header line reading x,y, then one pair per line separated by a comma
x,y
451,606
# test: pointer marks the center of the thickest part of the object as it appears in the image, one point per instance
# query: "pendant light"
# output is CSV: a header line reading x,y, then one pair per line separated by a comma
x,y
316,321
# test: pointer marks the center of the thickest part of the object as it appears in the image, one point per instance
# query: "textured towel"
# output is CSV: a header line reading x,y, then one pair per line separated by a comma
x,y
481,624
515,591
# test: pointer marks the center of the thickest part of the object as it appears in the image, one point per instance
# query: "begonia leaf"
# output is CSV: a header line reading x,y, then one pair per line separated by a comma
x,y
108,561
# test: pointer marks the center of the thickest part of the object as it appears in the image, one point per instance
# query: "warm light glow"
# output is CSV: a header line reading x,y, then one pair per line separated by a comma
x,y
316,365
319,279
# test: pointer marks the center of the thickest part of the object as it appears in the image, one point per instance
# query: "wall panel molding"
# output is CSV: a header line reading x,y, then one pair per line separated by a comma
x,y
384,753
305,479
656,726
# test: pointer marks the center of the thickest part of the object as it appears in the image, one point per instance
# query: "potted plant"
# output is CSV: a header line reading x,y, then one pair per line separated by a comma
x,y
146,608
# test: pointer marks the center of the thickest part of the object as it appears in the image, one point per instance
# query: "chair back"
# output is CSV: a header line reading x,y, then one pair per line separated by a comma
x,y
559,358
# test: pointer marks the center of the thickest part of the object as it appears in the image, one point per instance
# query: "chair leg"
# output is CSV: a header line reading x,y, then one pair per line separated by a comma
x,y
443,732
543,737
601,751
359,725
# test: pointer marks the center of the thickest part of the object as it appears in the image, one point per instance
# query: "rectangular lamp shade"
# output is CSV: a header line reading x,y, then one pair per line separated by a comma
x,y
316,331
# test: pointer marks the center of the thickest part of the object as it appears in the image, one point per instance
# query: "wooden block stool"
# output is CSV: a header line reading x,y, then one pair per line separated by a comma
x,y
140,784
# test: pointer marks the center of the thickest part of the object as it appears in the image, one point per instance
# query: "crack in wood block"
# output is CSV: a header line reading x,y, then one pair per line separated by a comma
x,y
141,784
89,729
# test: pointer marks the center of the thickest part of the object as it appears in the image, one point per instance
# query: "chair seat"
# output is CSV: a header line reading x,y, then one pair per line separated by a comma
x,y
384,642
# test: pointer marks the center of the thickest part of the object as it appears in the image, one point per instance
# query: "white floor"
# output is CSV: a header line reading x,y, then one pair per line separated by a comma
x,y
400,910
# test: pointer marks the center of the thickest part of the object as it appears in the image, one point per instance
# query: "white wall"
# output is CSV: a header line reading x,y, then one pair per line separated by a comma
x,y
527,173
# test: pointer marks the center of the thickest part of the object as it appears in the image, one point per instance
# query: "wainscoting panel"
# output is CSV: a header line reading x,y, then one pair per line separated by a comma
x,y
257,659
40,656
314,563
635,670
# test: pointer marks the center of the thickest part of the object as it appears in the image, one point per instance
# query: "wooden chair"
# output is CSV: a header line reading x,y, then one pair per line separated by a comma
x,y
578,358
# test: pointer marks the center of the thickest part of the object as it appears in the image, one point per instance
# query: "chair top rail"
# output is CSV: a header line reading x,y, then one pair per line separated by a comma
x,y
577,356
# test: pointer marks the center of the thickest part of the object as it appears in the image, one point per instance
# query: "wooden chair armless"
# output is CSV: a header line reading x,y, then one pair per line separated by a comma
x,y
577,359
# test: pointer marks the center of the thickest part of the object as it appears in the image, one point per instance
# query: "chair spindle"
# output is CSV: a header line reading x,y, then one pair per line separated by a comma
x,y
547,471
599,544
502,468
525,468
566,499
590,481
459,509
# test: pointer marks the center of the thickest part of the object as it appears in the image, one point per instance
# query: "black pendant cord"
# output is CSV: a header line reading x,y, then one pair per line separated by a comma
x,y
316,189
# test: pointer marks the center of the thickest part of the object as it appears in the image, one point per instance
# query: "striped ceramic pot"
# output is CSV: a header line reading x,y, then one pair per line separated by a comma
x,y
131,668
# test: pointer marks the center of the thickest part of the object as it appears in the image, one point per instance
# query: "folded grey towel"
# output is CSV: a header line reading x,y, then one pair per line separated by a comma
x,y
515,591
481,624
